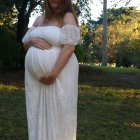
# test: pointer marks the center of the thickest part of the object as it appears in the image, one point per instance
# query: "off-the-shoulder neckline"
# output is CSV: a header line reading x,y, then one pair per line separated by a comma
x,y
55,26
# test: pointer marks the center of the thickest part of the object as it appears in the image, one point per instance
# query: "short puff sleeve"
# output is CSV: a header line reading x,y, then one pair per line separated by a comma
x,y
70,35
26,37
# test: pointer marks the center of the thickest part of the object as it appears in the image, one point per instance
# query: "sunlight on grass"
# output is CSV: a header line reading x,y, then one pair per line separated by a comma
x,y
4,87
110,91
85,87
135,125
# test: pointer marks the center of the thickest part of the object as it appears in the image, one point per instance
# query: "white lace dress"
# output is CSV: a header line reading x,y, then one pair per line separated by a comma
x,y
51,110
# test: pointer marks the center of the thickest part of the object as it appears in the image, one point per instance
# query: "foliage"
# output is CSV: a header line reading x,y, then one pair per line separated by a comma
x,y
123,37
82,9
115,14
8,15
129,53
84,49
9,47
10,50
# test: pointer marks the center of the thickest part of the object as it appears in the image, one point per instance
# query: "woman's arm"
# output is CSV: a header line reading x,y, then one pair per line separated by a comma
x,y
37,42
63,58
64,55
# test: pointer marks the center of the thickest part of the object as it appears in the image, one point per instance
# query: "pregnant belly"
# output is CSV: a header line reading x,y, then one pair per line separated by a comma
x,y
40,62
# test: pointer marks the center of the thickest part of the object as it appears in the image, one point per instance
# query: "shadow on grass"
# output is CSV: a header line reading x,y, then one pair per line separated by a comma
x,y
97,77
108,82
13,123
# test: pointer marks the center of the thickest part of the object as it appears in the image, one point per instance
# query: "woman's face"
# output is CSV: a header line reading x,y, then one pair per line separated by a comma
x,y
54,3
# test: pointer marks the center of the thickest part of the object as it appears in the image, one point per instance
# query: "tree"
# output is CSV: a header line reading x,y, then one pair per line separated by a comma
x,y
123,36
9,47
8,14
104,47
84,50
24,7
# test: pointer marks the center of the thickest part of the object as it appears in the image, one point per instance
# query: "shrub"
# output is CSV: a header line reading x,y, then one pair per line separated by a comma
x,y
9,50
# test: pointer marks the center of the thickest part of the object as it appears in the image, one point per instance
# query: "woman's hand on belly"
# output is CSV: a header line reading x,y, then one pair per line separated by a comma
x,y
38,43
47,79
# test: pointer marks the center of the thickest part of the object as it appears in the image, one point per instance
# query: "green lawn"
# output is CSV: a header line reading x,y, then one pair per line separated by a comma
x,y
119,70
107,113
108,107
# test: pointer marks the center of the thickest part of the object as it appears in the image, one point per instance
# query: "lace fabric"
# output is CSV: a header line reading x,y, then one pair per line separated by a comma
x,y
70,35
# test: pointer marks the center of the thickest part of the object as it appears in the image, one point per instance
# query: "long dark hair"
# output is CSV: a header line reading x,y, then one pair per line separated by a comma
x,y
64,7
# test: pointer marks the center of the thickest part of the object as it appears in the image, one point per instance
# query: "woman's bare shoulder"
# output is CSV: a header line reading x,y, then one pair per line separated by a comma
x,y
38,21
69,18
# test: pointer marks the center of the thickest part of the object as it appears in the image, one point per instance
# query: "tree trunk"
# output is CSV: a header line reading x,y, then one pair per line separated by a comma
x,y
104,47
22,24
22,21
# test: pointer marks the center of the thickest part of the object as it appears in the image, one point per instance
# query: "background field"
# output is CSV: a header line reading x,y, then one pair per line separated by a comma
x,y
108,104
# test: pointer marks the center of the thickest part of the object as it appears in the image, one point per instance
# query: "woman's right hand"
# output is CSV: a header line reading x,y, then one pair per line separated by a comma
x,y
37,42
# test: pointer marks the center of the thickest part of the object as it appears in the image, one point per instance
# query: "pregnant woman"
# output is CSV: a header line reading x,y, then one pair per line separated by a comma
x,y
51,73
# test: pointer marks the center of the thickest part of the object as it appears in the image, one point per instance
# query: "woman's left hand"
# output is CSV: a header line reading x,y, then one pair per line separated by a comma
x,y
47,79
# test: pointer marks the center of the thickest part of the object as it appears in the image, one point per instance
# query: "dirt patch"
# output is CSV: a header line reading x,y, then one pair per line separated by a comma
x,y
86,75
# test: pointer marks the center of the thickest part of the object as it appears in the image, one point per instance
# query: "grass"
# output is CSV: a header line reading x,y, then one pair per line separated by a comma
x,y
12,115
133,71
118,70
108,113
106,109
